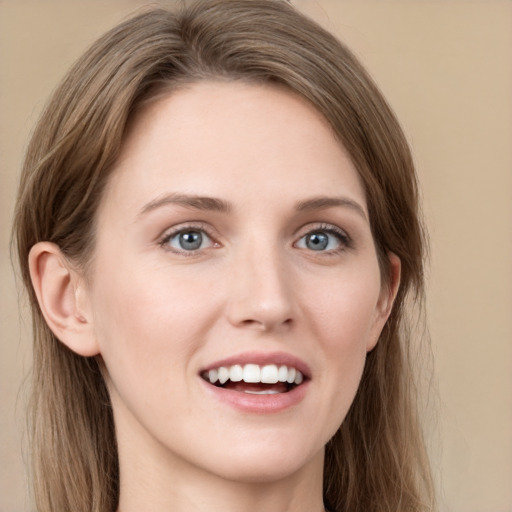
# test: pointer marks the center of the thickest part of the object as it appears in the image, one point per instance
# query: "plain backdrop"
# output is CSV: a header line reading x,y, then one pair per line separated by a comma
x,y
446,68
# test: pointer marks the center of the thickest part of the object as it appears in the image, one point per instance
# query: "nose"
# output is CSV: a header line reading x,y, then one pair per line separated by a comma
x,y
261,292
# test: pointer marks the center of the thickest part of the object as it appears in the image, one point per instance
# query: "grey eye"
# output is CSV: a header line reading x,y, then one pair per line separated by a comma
x,y
322,240
190,240
317,241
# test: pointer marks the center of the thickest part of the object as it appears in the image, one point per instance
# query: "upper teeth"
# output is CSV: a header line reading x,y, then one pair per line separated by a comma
x,y
253,373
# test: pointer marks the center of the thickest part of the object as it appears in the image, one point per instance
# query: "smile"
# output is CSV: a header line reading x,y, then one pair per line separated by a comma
x,y
269,379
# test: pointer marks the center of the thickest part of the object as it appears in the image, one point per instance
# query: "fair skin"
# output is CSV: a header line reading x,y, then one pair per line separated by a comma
x,y
234,230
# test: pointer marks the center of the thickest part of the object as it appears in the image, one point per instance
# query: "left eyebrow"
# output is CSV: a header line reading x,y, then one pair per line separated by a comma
x,y
188,201
324,202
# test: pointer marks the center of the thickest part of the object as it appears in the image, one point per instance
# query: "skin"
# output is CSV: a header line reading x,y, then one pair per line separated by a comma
x,y
157,314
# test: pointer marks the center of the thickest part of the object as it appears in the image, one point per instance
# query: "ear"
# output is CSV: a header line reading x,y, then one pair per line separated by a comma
x,y
386,300
62,297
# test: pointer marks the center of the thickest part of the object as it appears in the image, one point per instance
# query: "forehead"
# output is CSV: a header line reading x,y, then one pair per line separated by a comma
x,y
232,139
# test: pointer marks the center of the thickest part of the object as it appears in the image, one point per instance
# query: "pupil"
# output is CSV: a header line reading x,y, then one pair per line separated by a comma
x,y
317,241
191,240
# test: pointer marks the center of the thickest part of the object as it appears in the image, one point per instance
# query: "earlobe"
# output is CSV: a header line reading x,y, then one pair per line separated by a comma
x,y
386,300
60,293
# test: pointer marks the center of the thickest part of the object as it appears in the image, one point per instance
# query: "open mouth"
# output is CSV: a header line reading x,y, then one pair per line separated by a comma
x,y
254,379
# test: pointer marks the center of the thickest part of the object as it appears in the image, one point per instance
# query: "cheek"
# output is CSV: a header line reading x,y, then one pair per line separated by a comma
x,y
146,325
345,311
148,335
343,318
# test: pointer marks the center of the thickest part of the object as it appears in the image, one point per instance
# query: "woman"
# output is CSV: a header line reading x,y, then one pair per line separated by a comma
x,y
217,226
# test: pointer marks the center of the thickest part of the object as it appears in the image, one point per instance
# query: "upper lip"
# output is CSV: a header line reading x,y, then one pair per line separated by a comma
x,y
262,359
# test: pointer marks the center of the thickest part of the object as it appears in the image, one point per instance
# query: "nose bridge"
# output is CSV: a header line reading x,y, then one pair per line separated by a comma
x,y
261,291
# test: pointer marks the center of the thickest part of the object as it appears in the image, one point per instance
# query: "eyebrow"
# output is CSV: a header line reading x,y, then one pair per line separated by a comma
x,y
188,201
324,202
205,203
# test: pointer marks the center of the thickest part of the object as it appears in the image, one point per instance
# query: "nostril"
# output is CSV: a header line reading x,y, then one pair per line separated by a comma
x,y
266,324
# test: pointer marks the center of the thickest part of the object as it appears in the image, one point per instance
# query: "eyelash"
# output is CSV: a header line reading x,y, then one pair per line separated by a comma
x,y
345,242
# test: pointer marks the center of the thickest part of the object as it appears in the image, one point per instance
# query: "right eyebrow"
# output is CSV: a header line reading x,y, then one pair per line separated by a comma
x,y
194,202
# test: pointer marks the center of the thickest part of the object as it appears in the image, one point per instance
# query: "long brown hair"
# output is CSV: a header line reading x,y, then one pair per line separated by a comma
x,y
376,461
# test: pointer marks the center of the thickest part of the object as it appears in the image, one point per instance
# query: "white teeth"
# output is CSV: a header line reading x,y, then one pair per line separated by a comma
x,y
223,374
236,373
212,376
291,375
253,373
269,374
265,392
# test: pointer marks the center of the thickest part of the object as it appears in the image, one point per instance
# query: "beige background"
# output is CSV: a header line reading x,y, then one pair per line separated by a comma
x,y
446,67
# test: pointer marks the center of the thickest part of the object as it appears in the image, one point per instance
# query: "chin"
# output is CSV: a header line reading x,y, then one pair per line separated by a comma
x,y
263,471
265,462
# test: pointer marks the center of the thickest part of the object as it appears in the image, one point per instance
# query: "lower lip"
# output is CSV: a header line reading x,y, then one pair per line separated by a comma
x,y
260,404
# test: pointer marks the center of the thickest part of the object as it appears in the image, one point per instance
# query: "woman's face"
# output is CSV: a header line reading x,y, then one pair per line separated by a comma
x,y
233,241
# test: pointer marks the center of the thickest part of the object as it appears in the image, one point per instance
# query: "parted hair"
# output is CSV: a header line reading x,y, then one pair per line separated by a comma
x,y
376,461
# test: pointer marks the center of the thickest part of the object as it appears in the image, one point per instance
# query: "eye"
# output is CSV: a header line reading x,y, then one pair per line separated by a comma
x,y
187,240
324,240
